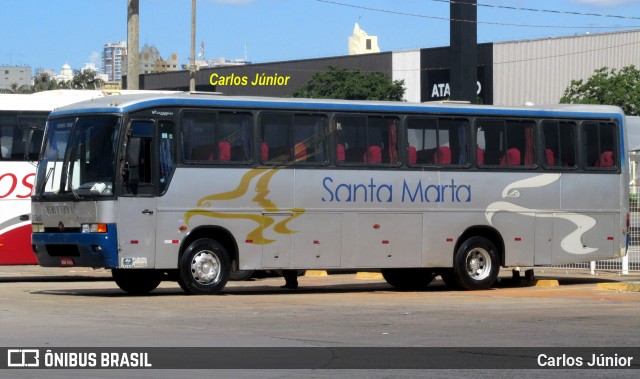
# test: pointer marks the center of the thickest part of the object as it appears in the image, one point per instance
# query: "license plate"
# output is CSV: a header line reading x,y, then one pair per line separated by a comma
x,y
66,261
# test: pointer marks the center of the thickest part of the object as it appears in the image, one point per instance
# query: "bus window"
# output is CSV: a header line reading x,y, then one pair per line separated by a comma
x,y
559,144
371,140
507,143
440,142
599,145
216,136
167,153
292,138
309,142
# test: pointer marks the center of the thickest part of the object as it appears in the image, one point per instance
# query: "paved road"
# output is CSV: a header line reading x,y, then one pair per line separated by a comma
x,y
82,308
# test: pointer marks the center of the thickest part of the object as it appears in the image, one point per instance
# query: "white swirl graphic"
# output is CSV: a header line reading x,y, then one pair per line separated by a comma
x,y
572,243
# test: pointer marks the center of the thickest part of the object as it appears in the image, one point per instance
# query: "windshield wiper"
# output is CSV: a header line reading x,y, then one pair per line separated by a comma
x,y
43,186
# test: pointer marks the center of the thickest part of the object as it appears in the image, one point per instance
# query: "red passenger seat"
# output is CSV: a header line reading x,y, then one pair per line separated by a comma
x,y
442,155
224,151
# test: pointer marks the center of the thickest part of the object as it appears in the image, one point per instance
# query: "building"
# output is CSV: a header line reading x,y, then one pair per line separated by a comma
x,y
66,74
45,71
15,75
151,61
362,43
113,60
509,73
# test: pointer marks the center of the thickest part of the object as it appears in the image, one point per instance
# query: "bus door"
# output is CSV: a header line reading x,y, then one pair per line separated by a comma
x,y
137,207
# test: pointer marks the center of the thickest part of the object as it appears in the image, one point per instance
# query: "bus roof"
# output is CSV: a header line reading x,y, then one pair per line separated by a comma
x,y
50,100
140,101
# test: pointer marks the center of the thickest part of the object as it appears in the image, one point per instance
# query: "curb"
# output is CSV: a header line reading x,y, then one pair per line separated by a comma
x,y
624,286
546,283
369,275
316,273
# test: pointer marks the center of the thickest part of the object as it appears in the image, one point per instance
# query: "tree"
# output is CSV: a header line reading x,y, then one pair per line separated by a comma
x,y
608,87
44,82
341,83
86,79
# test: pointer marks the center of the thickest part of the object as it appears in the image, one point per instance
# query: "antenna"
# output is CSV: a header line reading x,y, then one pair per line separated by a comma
x,y
246,53
202,50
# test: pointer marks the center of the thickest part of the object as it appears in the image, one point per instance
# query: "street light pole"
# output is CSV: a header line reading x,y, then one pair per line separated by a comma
x,y
192,65
133,31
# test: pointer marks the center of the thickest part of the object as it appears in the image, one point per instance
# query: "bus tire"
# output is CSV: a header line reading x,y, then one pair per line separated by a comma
x,y
408,279
136,281
476,264
204,267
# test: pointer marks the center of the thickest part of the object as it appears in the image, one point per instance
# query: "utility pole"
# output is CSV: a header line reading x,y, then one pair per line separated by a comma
x,y
192,65
463,54
133,51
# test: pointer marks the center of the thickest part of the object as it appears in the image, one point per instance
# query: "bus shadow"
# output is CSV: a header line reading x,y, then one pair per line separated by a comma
x,y
261,290
271,290
53,279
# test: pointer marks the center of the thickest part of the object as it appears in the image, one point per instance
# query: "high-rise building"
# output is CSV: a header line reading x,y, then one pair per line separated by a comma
x,y
113,58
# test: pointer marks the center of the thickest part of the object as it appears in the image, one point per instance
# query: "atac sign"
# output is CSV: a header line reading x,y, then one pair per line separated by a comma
x,y
437,85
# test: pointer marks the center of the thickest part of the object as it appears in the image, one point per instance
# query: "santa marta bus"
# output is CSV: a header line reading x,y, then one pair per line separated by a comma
x,y
185,186
22,120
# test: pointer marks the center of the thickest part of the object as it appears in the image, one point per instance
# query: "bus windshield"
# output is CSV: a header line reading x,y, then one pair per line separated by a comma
x,y
78,157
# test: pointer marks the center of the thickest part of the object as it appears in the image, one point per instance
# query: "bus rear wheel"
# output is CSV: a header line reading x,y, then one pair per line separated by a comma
x,y
136,281
204,267
476,264
408,279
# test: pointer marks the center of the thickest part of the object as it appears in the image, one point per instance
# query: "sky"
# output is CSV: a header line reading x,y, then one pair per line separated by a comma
x,y
49,34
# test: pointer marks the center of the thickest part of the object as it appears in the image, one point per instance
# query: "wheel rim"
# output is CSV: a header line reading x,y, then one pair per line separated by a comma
x,y
205,267
478,263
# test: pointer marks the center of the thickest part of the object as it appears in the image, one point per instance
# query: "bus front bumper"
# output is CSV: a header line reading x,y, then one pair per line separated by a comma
x,y
99,250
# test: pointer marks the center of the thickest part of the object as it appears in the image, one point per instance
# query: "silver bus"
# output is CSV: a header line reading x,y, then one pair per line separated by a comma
x,y
186,186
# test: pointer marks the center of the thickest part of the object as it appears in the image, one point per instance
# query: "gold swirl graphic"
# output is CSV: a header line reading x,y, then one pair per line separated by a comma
x,y
262,191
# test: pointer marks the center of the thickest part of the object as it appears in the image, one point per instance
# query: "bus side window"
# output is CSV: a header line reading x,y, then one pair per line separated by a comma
x,y
233,137
599,144
275,131
559,144
371,140
490,140
507,143
309,138
8,137
198,134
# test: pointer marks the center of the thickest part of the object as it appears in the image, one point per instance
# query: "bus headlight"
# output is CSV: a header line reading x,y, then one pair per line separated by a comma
x,y
93,228
37,228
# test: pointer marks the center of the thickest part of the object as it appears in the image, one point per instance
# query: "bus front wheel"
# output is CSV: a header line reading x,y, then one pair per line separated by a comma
x,y
204,267
408,279
136,281
476,264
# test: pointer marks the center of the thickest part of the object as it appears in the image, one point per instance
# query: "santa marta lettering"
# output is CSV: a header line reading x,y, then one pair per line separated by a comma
x,y
372,192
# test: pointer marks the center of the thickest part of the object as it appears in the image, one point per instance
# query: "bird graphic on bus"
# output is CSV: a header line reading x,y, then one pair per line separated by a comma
x,y
262,178
571,243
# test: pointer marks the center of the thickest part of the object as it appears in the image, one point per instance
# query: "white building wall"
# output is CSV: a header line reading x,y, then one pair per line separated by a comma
x,y
406,66
540,70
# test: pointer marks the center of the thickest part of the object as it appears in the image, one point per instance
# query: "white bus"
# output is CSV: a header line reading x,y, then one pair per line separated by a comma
x,y
185,186
22,120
